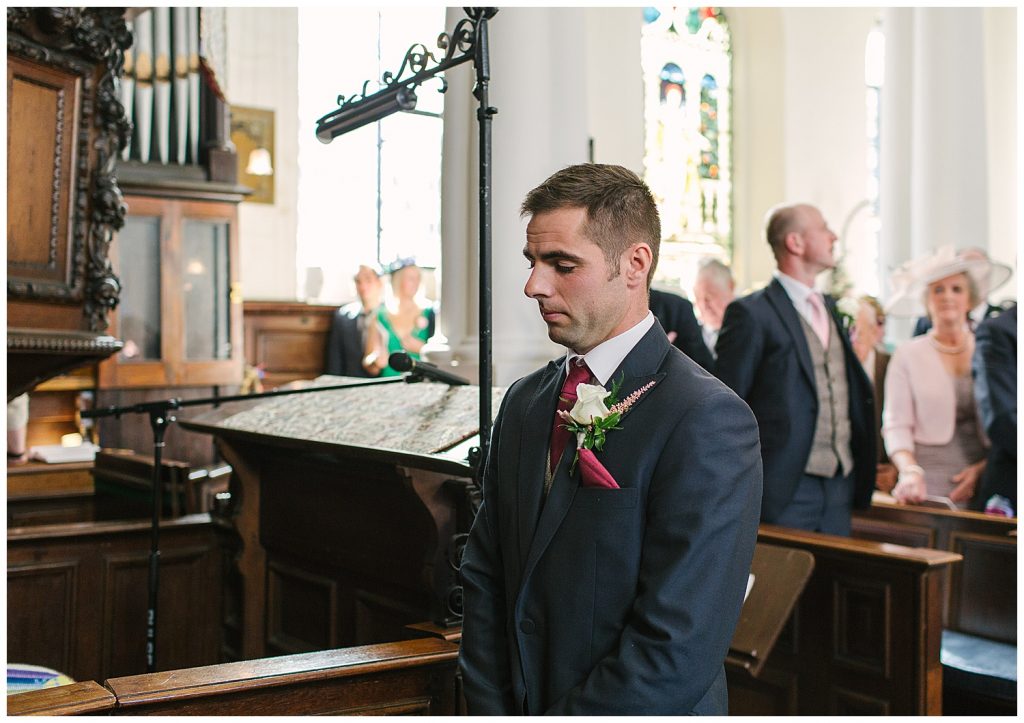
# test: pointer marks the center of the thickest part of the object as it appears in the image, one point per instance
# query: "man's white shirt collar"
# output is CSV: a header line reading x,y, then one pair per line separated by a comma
x,y
606,357
798,293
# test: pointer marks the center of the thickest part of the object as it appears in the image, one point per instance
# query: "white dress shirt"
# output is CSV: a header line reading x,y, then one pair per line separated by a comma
x,y
799,293
605,358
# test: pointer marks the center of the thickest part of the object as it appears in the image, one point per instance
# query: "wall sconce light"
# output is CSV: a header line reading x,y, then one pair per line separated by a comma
x,y
252,132
259,163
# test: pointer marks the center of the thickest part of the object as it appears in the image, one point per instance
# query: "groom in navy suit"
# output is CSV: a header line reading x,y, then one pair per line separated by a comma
x,y
606,567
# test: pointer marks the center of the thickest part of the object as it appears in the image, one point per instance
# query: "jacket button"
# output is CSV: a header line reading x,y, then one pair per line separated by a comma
x,y
528,627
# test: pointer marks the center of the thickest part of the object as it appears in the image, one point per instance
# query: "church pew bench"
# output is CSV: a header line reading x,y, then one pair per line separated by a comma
x,y
980,603
84,698
77,595
412,677
981,591
48,494
863,639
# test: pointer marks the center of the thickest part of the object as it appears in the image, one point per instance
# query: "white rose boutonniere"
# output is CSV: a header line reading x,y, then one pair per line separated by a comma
x,y
590,404
596,413
847,306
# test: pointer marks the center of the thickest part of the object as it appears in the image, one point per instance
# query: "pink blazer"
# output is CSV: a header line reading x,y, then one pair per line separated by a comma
x,y
920,399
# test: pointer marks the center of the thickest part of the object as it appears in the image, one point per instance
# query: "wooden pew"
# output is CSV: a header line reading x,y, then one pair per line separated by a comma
x,y
981,592
48,494
864,637
979,602
412,677
88,698
77,595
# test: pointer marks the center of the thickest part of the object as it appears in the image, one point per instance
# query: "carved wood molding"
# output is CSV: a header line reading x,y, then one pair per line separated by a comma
x,y
61,342
77,40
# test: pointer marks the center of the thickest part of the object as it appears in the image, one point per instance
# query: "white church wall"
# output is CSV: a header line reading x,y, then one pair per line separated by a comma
x,y
614,83
1001,99
758,136
825,142
262,66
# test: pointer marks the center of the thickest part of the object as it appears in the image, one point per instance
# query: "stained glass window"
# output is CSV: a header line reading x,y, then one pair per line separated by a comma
x,y
686,64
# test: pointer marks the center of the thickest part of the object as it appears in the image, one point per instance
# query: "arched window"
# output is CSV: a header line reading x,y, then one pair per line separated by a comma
x,y
685,56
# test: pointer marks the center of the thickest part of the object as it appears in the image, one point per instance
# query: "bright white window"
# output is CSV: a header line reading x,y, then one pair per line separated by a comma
x,y
372,194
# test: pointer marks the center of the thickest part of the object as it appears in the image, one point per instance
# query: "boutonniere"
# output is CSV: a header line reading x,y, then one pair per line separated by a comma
x,y
847,306
597,411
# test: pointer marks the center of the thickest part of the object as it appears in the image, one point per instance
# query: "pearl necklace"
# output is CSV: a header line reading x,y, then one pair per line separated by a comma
x,y
942,348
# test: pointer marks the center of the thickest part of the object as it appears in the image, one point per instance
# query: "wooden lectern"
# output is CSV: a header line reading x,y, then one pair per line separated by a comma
x,y
348,506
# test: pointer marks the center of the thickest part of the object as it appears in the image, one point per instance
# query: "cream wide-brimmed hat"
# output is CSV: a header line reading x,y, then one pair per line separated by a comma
x,y
910,279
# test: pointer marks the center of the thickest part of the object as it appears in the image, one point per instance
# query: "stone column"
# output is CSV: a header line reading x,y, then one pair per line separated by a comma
x,y
538,85
934,142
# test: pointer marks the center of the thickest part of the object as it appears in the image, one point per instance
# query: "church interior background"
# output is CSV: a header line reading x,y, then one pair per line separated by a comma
x,y
864,112
900,124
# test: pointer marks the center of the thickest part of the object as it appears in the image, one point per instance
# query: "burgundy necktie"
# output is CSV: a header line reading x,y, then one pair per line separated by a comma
x,y
579,373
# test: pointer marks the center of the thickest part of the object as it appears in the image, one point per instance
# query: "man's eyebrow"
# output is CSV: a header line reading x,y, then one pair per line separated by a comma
x,y
555,255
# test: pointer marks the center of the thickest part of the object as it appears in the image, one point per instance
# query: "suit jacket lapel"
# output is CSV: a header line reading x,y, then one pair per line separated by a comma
x,y
778,298
533,456
639,367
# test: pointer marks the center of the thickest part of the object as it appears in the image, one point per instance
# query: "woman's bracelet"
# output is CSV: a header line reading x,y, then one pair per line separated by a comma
x,y
910,469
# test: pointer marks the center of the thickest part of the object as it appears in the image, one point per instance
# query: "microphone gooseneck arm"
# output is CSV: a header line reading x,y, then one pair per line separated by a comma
x,y
402,362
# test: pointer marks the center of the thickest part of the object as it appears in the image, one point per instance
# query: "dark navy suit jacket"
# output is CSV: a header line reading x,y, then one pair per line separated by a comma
x,y
995,385
345,343
763,356
675,313
620,601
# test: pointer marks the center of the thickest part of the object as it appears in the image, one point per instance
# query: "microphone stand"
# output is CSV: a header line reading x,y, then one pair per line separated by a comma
x,y
160,419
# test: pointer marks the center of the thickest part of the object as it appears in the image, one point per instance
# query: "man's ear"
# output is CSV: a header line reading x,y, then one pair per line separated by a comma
x,y
794,243
638,260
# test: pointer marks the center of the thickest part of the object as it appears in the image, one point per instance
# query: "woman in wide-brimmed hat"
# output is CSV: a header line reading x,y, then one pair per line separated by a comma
x,y
930,424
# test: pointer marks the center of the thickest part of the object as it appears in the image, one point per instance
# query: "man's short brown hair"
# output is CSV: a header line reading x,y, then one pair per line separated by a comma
x,y
620,208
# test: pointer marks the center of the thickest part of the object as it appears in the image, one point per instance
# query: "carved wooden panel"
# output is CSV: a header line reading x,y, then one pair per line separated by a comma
x,y
863,617
849,702
42,114
302,610
774,692
99,609
985,587
184,579
40,613
288,339
65,128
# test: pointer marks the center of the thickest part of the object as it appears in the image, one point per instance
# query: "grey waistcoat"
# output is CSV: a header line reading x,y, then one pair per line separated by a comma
x,y
831,447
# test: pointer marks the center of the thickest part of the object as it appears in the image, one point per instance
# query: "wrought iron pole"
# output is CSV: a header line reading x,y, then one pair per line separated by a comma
x,y
484,113
159,419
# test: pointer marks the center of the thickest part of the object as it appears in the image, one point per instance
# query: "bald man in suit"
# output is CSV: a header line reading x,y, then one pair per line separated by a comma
x,y
784,351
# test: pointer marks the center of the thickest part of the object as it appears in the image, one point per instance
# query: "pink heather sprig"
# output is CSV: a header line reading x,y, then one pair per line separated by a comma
x,y
629,401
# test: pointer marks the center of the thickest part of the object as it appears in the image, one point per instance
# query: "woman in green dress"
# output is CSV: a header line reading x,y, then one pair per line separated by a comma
x,y
403,322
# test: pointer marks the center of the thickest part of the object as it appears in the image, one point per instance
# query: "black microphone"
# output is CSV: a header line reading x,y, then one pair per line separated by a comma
x,y
402,362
